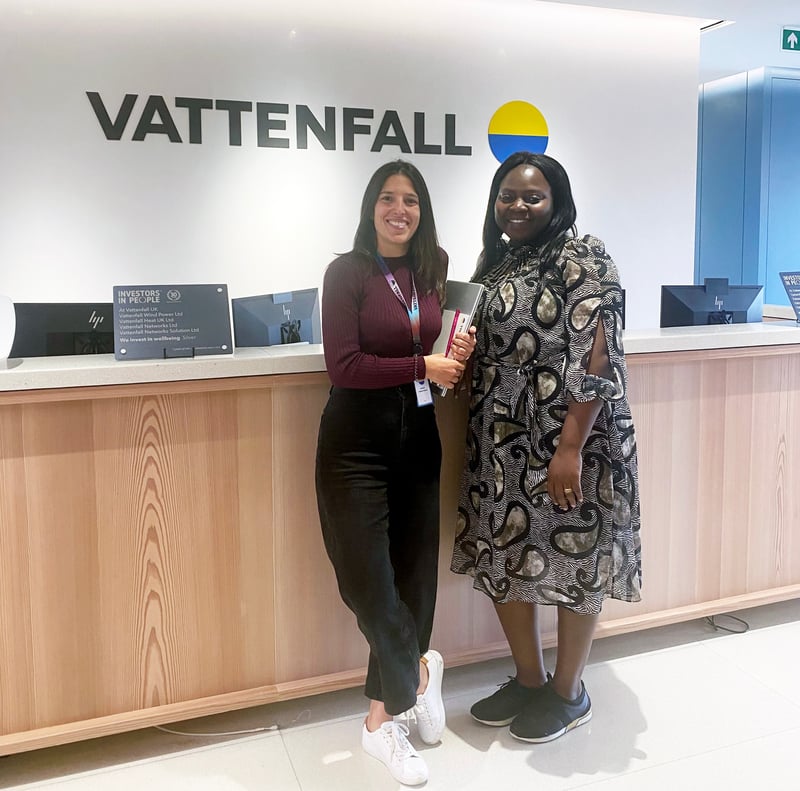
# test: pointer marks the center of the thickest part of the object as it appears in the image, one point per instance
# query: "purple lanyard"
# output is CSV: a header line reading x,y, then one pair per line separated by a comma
x,y
413,311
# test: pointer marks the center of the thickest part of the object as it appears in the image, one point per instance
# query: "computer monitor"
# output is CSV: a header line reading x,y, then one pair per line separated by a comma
x,y
273,319
50,329
715,302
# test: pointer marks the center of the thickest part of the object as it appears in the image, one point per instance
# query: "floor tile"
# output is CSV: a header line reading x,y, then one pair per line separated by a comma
x,y
654,708
769,762
470,757
770,655
679,704
329,758
256,763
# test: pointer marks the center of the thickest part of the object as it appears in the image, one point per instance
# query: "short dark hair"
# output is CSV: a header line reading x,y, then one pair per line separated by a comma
x,y
427,260
562,223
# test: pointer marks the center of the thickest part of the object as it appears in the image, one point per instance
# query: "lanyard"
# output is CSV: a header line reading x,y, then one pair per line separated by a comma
x,y
413,311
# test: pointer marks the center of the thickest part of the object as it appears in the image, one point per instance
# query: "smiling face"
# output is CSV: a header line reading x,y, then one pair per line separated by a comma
x,y
524,204
396,215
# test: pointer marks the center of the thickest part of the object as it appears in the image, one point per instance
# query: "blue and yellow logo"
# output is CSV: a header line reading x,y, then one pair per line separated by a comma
x,y
517,126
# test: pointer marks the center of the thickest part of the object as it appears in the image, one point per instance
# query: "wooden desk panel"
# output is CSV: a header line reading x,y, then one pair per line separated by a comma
x,y
161,555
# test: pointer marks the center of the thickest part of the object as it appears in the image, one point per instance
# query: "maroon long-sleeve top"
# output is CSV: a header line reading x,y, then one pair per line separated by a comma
x,y
366,331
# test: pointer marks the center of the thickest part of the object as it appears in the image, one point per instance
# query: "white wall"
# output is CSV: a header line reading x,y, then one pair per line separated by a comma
x,y
753,40
79,213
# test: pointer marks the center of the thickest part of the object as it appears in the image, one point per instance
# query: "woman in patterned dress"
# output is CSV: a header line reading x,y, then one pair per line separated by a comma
x,y
549,506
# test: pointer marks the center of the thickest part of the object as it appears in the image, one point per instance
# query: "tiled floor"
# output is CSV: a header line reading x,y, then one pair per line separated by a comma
x,y
677,708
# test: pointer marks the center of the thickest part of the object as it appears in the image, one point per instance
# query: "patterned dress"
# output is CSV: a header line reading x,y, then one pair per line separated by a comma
x,y
535,335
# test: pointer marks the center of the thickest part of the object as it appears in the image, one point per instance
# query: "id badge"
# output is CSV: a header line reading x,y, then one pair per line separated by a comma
x,y
423,390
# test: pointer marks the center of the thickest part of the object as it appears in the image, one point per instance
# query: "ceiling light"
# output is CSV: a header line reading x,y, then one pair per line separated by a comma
x,y
720,23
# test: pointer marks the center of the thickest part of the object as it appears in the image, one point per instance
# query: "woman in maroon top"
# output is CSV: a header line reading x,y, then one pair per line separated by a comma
x,y
378,455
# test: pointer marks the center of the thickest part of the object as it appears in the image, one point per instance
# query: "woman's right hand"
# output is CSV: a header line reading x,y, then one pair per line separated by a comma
x,y
443,370
463,345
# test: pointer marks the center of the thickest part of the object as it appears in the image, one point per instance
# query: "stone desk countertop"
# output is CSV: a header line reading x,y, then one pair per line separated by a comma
x,y
39,373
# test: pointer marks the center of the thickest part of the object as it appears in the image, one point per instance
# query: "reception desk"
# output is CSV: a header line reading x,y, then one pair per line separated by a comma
x,y
160,555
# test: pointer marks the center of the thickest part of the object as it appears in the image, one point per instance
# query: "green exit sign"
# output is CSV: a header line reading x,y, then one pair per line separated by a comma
x,y
791,39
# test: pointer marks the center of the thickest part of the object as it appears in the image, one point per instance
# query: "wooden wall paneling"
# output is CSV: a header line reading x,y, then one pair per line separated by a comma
x,y
62,533
700,540
790,494
732,473
213,540
172,607
257,557
548,625
670,411
317,634
667,417
765,459
766,415
124,477
161,557
148,618
774,480
688,408
209,533
699,450
17,693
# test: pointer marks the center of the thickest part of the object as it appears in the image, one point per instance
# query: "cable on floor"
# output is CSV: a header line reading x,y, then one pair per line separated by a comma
x,y
740,625
247,732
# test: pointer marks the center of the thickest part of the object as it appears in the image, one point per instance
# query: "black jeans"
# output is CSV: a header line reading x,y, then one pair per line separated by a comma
x,y
377,477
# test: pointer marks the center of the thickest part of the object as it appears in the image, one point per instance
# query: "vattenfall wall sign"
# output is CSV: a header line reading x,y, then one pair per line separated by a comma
x,y
514,126
335,129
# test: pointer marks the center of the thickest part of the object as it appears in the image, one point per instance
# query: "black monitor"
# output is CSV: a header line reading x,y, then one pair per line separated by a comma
x,y
715,302
273,319
50,329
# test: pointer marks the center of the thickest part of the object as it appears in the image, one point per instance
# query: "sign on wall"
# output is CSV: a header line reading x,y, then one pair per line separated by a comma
x,y
790,39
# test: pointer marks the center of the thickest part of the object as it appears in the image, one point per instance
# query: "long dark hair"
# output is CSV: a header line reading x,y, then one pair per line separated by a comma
x,y
562,222
427,261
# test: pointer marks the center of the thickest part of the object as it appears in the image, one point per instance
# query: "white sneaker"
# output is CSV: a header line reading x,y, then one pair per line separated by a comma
x,y
390,745
429,708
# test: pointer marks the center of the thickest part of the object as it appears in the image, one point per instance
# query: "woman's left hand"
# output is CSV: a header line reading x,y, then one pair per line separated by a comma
x,y
564,478
463,345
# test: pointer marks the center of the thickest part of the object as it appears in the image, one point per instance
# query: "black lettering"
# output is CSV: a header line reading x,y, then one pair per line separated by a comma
x,y
147,125
307,120
450,146
264,123
112,130
234,110
391,120
350,128
195,106
420,146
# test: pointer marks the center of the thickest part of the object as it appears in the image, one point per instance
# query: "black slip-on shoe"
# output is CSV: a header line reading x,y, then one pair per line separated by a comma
x,y
550,716
504,705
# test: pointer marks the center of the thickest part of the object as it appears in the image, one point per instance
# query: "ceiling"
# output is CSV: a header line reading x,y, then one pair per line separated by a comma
x,y
754,40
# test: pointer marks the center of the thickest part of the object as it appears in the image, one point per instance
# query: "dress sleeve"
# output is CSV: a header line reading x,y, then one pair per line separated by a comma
x,y
592,294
